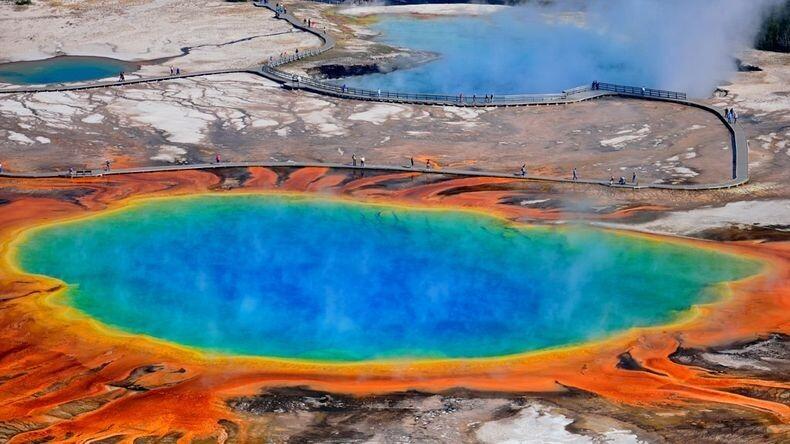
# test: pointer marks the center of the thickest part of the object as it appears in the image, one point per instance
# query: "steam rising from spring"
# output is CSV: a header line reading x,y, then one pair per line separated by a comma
x,y
684,45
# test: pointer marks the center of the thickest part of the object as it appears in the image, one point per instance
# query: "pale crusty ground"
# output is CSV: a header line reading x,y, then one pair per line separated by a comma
x,y
222,34
762,99
244,117
429,9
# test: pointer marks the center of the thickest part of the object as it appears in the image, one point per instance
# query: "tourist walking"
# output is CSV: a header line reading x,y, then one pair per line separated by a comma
x,y
428,164
575,176
106,165
362,161
217,158
734,115
121,78
523,169
633,178
353,159
611,180
727,114
411,162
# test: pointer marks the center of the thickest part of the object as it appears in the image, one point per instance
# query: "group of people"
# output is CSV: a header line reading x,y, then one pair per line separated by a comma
x,y
354,160
361,162
308,22
622,180
731,115
174,71
121,77
488,98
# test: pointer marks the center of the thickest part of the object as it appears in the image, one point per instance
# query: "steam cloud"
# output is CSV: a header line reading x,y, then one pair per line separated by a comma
x,y
684,45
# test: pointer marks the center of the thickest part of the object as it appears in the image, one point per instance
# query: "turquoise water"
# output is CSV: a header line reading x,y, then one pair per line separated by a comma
x,y
522,51
63,69
314,279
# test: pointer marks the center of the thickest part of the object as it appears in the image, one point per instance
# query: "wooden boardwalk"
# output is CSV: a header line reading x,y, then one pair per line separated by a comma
x,y
344,166
738,143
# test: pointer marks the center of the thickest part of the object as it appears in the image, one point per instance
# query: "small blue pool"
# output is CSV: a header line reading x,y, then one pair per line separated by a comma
x,y
63,69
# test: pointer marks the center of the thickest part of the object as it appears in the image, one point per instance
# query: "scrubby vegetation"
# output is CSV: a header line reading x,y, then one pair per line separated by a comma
x,y
775,32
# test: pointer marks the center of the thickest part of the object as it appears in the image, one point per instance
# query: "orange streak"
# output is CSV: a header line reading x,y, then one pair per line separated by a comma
x,y
50,356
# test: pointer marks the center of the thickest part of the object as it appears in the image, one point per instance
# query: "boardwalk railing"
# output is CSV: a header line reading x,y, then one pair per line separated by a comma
x,y
307,83
740,154
640,91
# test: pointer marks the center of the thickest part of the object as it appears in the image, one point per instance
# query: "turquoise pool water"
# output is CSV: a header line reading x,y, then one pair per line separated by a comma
x,y
316,279
63,69
521,51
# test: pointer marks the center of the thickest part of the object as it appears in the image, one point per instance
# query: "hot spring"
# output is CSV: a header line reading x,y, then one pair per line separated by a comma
x,y
681,46
63,69
306,278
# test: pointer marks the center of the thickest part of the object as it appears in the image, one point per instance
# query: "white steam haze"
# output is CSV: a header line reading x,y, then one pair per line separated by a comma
x,y
682,45
689,45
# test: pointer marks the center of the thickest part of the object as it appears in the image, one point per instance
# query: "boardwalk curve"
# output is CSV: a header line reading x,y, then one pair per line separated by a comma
x,y
738,143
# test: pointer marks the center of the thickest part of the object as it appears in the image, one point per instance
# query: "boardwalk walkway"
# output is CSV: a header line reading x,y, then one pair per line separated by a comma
x,y
738,143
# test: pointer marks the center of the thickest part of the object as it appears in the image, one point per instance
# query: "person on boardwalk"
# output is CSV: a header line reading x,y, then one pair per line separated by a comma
x,y
633,178
411,162
611,180
178,71
362,161
172,71
523,169
621,181
1,168
734,115
575,176
106,165
121,77
217,158
727,114
353,159
428,164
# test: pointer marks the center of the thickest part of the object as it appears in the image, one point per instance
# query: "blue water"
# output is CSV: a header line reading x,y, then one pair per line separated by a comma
x,y
63,69
313,279
520,50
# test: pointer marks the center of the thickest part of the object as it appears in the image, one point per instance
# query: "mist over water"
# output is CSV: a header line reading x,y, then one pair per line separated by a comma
x,y
680,45
314,279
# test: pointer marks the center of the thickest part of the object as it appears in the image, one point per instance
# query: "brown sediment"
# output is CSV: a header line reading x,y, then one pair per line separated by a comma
x,y
67,377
